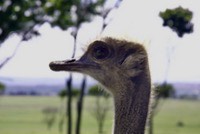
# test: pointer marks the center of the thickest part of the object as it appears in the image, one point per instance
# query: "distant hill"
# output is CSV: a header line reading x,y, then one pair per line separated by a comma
x,y
32,81
37,86
33,90
191,90
51,86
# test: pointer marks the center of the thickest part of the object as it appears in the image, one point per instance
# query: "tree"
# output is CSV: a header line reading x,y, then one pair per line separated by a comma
x,y
25,16
64,94
22,16
164,90
101,107
178,20
161,91
49,116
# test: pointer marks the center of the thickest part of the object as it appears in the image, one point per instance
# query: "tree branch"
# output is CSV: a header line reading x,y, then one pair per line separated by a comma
x,y
11,56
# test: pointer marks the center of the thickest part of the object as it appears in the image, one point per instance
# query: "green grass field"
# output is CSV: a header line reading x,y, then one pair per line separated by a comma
x,y
23,115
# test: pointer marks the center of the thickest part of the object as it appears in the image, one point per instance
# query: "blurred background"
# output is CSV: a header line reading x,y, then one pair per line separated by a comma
x,y
35,100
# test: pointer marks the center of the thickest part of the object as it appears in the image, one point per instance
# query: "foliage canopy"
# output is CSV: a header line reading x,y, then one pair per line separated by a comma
x,y
23,16
178,20
165,90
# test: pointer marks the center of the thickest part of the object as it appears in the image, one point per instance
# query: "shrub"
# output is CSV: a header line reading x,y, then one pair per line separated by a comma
x,y
165,90
49,116
94,91
97,91
63,93
2,88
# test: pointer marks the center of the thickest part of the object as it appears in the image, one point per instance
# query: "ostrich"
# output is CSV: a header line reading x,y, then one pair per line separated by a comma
x,y
122,68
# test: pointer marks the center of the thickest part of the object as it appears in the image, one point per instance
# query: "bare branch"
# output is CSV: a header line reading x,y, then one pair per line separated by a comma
x,y
5,61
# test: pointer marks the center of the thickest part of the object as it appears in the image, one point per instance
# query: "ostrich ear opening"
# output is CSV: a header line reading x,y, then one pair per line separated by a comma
x,y
134,61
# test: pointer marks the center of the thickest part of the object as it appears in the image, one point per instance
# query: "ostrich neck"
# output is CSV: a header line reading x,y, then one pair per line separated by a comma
x,y
131,107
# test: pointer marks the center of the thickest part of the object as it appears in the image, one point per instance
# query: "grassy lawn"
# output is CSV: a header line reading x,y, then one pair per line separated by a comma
x,y
23,115
174,111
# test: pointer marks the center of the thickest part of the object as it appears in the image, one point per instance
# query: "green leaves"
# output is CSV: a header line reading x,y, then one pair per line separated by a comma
x,y
178,20
21,16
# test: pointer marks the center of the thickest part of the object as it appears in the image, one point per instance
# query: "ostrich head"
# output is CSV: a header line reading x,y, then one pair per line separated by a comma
x,y
110,61
122,67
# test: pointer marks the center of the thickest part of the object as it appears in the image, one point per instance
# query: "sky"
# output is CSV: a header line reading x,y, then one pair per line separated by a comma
x,y
136,20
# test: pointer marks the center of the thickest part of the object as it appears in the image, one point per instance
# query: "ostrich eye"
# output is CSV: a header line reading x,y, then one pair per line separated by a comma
x,y
100,50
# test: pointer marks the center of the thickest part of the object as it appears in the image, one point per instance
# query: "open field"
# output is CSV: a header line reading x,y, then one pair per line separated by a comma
x,y
23,115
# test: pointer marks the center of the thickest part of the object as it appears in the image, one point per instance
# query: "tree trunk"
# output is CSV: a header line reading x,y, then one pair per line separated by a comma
x,y
69,88
80,106
69,107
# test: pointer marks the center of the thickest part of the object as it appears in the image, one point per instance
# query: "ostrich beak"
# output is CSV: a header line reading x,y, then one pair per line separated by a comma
x,y
72,65
66,65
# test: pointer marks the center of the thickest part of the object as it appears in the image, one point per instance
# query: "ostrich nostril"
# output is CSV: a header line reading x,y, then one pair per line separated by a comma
x,y
69,61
